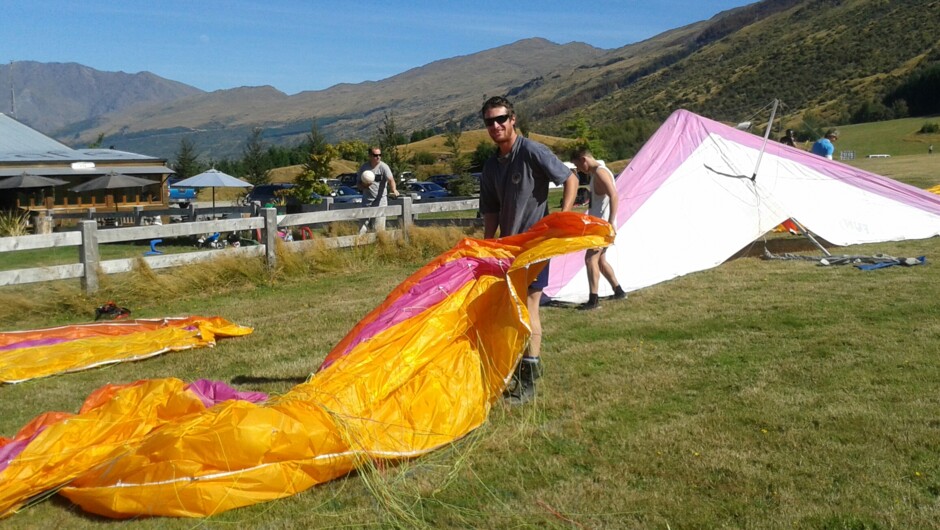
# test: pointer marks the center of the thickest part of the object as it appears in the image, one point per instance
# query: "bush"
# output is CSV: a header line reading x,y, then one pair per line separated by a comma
x,y
13,223
463,186
424,158
929,128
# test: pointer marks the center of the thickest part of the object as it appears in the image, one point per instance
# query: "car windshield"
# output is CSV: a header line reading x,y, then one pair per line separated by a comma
x,y
346,190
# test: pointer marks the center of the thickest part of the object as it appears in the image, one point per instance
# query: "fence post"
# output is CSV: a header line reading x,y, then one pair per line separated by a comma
x,y
138,215
269,235
91,213
407,219
89,256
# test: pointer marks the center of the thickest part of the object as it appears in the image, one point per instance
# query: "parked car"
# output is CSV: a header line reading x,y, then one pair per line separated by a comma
x,y
348,179
181,196
427,190
442,180
265,194
347,194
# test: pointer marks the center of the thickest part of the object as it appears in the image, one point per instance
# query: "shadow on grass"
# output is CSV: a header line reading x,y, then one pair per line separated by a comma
x,y
245,379
784,244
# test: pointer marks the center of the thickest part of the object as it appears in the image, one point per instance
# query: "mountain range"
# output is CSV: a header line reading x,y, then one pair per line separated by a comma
x,y
820,58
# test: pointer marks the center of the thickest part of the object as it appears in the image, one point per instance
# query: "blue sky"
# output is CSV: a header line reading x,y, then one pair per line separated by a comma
x,y
297,45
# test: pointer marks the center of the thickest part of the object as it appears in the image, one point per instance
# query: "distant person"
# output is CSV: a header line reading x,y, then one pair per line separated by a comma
x,y
604,204
824,146
788,138
376,192
513,197
930,150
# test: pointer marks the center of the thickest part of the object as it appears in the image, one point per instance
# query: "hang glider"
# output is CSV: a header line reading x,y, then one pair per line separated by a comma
x,y
688,202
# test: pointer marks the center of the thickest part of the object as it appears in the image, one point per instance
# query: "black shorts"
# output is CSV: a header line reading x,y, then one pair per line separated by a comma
x,y
541,281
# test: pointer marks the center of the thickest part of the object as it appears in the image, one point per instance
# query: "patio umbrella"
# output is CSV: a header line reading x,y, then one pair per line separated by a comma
x,y
212,178
27,180
113,181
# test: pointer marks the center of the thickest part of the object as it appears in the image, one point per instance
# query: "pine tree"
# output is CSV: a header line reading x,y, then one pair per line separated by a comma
x,y
253,159
187,161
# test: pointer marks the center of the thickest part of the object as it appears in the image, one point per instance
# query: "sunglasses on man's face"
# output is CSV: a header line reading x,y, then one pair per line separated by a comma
x,y
496,119
376,155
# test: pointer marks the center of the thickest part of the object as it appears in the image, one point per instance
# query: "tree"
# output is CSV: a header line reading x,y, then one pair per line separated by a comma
x,y
253,159
187,161
458,163
353,150
318,167
479,156
522,123
97,143
389,140
586,136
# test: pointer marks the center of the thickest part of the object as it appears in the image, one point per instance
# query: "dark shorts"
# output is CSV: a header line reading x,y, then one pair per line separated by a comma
x,y
541,281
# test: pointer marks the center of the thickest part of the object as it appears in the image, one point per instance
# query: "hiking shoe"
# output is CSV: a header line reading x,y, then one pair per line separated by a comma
x,y
524,394
518,392
521,387
619,296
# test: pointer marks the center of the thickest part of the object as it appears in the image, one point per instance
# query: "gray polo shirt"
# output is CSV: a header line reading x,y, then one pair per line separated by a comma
x,y
516,185
370,195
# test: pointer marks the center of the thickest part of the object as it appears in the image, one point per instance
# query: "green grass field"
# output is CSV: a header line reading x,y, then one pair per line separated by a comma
x,y
759,394
894,137
755,395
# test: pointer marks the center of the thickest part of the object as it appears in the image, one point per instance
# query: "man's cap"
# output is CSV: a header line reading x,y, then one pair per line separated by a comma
x,y
833,132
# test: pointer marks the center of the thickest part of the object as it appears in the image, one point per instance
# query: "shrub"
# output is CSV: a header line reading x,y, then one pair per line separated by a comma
x,y
13,223
929,128
463,186
424,158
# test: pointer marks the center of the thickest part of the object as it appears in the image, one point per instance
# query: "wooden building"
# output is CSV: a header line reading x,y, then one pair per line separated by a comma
x,y
25,150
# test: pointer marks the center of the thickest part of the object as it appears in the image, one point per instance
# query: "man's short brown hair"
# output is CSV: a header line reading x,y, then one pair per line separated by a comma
x,y
494,103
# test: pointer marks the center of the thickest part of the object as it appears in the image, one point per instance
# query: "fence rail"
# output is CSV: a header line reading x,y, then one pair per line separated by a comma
x,y
266,220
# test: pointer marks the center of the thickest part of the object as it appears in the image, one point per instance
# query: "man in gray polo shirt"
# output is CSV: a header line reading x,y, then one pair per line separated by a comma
x,y
513,197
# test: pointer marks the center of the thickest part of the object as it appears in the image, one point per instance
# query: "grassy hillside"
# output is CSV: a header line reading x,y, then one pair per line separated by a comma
x,y
820,58
895,137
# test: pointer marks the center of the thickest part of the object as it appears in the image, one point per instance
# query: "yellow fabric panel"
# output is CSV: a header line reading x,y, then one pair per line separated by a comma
x,y
105,343
74,445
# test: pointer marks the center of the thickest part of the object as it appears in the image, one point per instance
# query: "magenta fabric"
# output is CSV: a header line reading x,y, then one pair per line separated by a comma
x,y
33,343
11,450
213,392
429,291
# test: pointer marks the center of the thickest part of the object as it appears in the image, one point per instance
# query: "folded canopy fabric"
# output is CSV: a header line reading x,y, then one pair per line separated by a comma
x,y
417,373
56,447
32,354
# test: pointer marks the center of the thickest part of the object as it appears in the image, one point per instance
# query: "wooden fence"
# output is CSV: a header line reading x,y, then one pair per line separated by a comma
x,y
89,236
